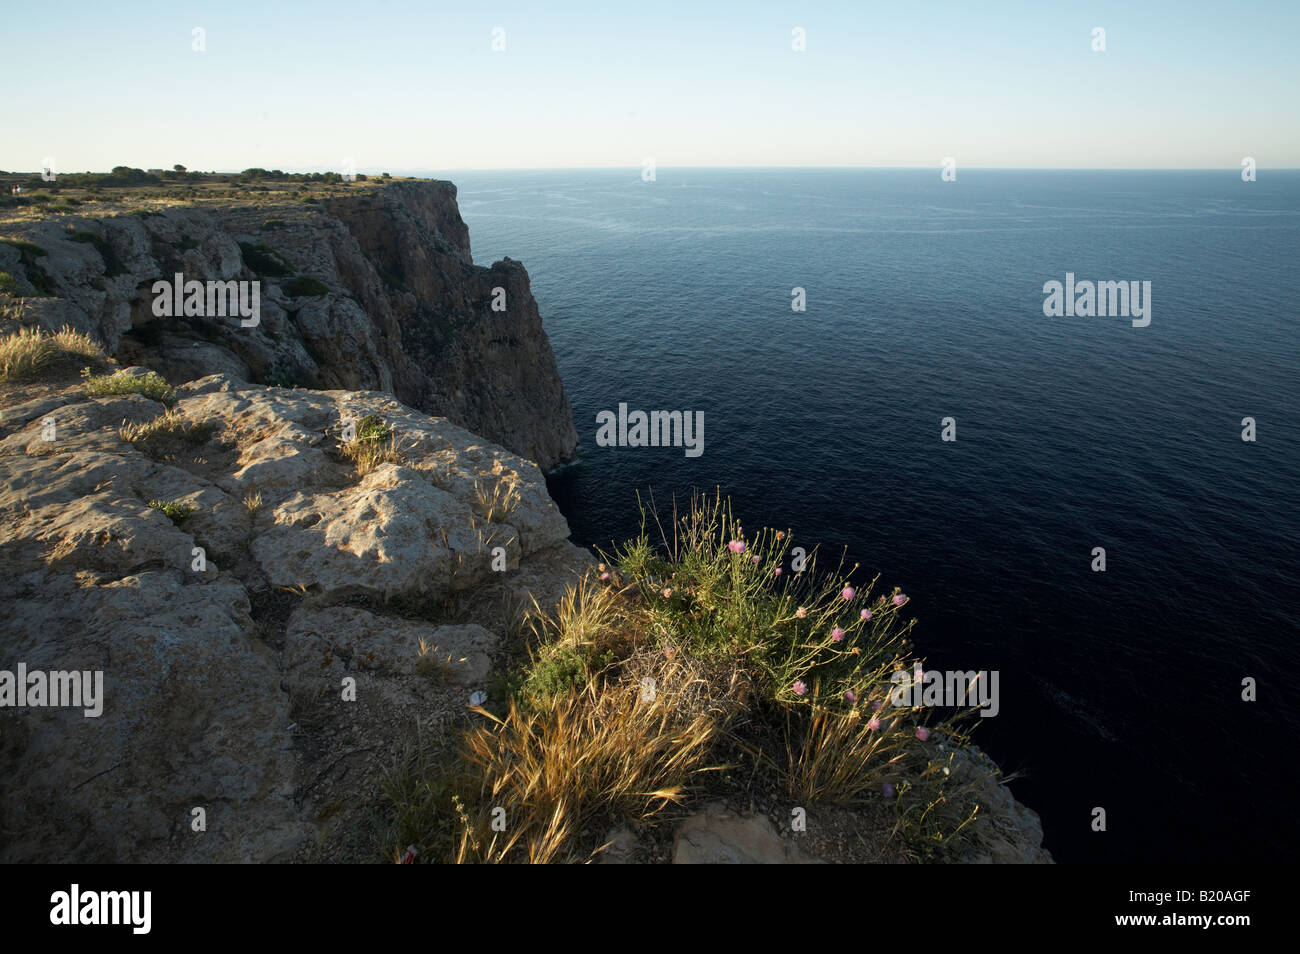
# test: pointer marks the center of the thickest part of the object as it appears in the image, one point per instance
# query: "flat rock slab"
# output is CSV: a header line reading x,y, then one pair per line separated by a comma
x,y
716,836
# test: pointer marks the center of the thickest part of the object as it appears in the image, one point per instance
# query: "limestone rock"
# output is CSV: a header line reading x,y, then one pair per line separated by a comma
x,y
717,836
406,311
204,669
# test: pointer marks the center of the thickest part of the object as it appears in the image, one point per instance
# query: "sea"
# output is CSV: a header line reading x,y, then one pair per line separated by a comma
x,y
1161,690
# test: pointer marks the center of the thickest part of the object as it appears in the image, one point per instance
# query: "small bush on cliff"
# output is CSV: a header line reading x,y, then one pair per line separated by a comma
x,y
374,444
7,284
152,385
176,512
305,285
32,352
671,664
264,260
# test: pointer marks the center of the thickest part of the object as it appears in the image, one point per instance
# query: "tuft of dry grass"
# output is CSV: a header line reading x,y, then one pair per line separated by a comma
x,y
430,663
253,502
838,756
498,497
568,757
33,352
165,434
367,455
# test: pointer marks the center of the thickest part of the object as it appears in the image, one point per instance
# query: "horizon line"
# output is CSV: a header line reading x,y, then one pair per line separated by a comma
x,y
410,172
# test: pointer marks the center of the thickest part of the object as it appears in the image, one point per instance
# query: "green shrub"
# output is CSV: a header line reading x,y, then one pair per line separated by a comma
x,y
177,512
264,260
151,385
7,284
305,285
28,252
372,428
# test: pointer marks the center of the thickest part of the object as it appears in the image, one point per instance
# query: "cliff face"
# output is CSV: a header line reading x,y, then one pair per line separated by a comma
x,y
396,305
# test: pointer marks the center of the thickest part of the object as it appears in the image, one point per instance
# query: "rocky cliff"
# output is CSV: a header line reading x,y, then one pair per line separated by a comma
x,y
292,595
227,572
370,290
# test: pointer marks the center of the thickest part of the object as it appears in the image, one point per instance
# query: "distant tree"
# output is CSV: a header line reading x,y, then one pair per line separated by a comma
x,y
178,167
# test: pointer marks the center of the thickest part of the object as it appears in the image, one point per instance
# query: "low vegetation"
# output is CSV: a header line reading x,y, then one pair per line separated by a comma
x,y
151,385
374,444
166,434
33,353
177,512
305,285
670,666
264,260
28,255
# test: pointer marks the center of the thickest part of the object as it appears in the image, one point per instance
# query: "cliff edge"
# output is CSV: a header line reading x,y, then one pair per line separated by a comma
x,y
374,289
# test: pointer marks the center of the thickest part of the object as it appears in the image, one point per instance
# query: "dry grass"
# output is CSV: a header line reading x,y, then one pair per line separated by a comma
x,y
367,455
253,502
838,757
569,757
165,434
430,663
496,497
31,353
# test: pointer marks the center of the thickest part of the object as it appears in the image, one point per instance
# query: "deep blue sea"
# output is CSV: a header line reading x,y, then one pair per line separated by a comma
x,y
1120,689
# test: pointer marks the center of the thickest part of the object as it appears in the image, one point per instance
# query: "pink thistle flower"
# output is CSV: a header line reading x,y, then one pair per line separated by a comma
x,y
922,733
837,635
866,614
756,559
800,687
801,612
850,695
875,705
887,790
873,724
777,571
604,578
900,599
736,546
847,593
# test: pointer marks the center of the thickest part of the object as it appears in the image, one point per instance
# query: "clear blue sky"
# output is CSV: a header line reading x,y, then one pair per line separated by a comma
x,y
403,86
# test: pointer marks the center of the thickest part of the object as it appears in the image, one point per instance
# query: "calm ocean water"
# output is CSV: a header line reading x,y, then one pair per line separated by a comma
x,y
924,300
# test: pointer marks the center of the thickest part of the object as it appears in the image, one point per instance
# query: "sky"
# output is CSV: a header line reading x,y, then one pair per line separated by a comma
x,y
418,86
